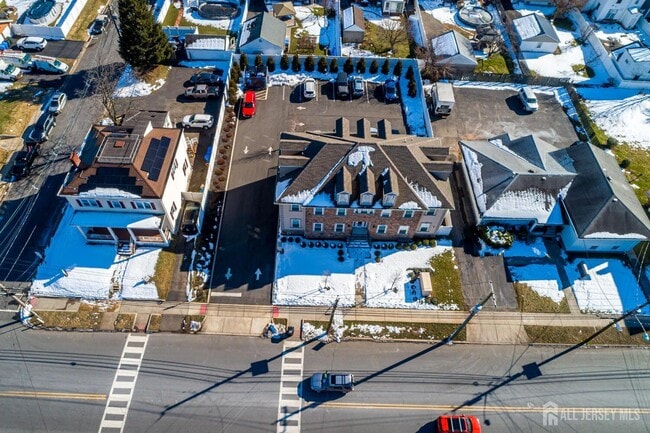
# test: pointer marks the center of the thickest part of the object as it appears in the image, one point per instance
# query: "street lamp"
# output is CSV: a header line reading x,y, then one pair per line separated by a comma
x,y
646,337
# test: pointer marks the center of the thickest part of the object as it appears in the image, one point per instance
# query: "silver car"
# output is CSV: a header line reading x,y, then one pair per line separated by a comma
x,y
33,43
57,102
336,382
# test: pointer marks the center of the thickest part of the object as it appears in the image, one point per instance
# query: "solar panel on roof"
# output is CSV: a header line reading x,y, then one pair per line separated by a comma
x,y
158,158
147,163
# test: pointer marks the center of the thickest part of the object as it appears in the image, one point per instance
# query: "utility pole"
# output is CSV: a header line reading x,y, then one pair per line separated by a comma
x,y
22,304
473,312
329,325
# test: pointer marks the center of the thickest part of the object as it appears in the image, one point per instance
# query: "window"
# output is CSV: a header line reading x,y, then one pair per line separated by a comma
x,y
408,214
539,45
595,247
381,229
143,205
295,223
174,167
318,227
424,227
431,212
173,210
389,200
341,212
338,228
84,202
185,166
403,230
318,211
115,204
364,211
295,208
386,213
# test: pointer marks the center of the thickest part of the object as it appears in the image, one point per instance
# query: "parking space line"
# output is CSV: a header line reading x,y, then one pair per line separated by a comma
x,y
290,401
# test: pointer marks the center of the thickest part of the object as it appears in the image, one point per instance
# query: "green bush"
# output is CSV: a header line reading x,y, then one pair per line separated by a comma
x,y
385,68
258,60
270,63
413,88
361,66
284,62
243,61
295,64
348,66
322,65
309,63
409,73
374,66
611,142
397,70
334,66
624,164
414,247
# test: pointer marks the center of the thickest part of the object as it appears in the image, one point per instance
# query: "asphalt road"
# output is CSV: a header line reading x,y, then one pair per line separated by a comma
x,y
59,382
31,210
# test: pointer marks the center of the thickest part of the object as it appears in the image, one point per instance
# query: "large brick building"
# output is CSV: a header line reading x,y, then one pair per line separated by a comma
x,y
373,185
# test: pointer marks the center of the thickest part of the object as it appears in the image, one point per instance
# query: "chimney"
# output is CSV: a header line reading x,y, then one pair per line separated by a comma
x,y
74,158
363,128
384,129
342,127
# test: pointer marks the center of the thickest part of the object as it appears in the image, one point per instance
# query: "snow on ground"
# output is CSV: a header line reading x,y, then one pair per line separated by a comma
x,y
74,269
621,113
225,24
375,16
311,23
4,86
612,31
610,287
446,14
314,276
130,86
518,249
352,50
543,279
20,5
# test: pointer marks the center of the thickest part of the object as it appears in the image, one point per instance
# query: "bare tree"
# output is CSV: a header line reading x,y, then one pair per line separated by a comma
x,y
562,7
101,81
394,32
435,68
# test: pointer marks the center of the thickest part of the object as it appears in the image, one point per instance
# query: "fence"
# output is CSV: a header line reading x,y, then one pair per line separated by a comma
x,y
160,10
536,80
57,32
417,28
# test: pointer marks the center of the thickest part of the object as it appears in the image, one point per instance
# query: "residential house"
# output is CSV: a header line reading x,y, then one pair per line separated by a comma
x,y
367,186
262,34
578,193
354,26
625,12
632,61
126,183
284,11
207,47
453,49
393,7
535,33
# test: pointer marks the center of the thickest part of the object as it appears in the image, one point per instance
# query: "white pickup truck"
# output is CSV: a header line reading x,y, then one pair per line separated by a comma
x,y
9,72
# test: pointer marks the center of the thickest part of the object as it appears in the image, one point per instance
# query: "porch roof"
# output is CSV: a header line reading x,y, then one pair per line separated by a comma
x,y
117,220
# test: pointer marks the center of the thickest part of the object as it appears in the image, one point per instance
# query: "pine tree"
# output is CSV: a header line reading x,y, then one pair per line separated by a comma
x,y
413,88
258,60
243,61
374,67
361,66
385,68
409,73
309,63
295,63
348,66
334,66
142,42
235,72
398,68
284,62
270,63
322,65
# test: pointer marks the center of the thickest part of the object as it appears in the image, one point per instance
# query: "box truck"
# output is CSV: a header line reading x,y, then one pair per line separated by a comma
x,y
443,99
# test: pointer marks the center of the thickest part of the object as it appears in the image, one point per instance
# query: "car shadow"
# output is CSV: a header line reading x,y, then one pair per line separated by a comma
x,y
305,392
515,105
430,427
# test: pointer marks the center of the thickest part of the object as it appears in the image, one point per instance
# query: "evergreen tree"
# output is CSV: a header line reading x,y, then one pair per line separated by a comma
x,y
235,72
243,61
348,66
322,65
374,67
409,73
385,68
361,66
398,68
413,88
309,63
295,63
142,42
270,63
334,66
284,62
258,60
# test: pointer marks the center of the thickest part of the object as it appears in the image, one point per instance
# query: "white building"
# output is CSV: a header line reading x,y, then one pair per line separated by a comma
x,y
393,7
452,48
262,34
632,61
625,12
536,34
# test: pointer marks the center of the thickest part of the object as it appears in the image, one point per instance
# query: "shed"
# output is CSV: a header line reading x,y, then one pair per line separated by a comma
x,y
207,47
452,48
283,9
262,34
425,284
536,34
354,27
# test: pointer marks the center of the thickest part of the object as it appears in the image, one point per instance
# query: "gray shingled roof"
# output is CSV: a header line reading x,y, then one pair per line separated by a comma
x,y
600,199
535,28
263,26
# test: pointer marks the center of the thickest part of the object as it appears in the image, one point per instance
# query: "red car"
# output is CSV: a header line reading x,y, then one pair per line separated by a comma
x,y
458,423
250,104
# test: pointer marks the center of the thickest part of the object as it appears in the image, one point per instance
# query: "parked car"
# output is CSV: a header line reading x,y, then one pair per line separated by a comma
x,y
249,106
23,162
357,87
342,89
528,99
458,423
390,91
336,382
204,121
32,43
205,78
190,217
57,102
98,26
309,88
202,91
42,128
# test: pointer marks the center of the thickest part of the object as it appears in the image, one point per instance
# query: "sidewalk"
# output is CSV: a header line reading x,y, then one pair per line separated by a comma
x,y
250,320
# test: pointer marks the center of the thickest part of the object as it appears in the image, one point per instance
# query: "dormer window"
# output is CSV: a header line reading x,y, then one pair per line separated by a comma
x,y
343,199
389,200
365,199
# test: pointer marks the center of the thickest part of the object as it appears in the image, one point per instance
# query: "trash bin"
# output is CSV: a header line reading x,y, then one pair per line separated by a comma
x,y
289,331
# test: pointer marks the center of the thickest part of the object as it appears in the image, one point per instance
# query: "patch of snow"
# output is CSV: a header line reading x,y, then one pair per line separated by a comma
x,y
192,16
409,205
310,23
474,172
425,195
529,204
361,154
543,279
322,199
518,249
351,50
129,86
375,16
606,235
108,192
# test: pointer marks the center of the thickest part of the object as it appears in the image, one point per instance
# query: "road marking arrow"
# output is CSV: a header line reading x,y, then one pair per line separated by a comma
x,y
228,274
246,150
301,108
257,274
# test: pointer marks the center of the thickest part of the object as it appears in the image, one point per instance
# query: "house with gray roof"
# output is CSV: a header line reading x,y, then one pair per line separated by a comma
x,y
368,185
632,61
262,34
577,192
452,48
354,26
535,33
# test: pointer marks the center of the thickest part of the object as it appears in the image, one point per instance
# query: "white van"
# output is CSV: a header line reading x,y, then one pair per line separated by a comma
x,y
309,88
528,98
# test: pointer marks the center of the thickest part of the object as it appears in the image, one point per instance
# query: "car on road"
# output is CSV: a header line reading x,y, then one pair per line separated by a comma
x,y
42,128
32,43
98,26
528,99
309,88
190,216
203,121
205,78
390,91
357,87
249,106
23,162
458,423
57,102
335,382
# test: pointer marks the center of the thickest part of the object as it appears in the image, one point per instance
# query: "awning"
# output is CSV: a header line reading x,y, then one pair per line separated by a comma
x,y
116,219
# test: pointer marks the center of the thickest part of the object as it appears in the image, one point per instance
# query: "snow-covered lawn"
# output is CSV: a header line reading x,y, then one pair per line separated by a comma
x,y
75,269
375,16
445,13
130,86
535,248
309,22
611,287
314,276
543,279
